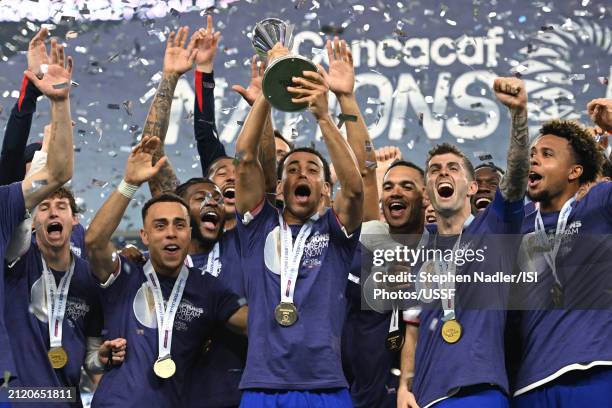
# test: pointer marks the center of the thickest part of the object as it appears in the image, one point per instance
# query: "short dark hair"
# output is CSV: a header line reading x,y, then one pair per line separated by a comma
x,y
445,148
65,192
163,198
490,165
181,189
326,170
281,137
210,166
583,146
405,163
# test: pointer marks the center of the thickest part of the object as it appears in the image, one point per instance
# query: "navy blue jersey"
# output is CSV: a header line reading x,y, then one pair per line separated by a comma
x,y
129,312
306,355
478,357
579,331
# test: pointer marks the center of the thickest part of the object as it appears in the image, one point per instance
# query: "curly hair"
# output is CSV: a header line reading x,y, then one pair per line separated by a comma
x,y
584,148
445,148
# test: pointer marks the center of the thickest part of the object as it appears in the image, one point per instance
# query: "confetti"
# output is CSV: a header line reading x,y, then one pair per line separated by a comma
x,y
148,95
113,106
99,183
70,35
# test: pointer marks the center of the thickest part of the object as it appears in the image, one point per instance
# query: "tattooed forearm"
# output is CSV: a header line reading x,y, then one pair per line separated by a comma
x,y
156,124
514,183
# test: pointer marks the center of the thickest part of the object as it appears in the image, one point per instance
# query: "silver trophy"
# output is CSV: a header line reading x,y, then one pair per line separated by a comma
x,y
278,74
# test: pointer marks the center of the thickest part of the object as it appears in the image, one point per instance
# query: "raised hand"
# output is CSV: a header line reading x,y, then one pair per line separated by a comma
x,y
139,167
206,44
600,111
37,52
254,89
341,75
313,90
55,83
511,92
387,155
179,59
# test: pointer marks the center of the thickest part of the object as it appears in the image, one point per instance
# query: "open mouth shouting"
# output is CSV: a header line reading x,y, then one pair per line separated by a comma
x,y
229,194
54,230
445,189
210,219
302,193
397,208
172,250
534,179
481,203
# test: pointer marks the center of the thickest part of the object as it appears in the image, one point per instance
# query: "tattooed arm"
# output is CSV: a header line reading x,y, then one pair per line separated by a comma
x,y
512,93
177,61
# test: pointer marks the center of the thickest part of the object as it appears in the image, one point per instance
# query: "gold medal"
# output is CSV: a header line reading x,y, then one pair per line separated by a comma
x,y
285,314
451,331
394,340
57,357
164,367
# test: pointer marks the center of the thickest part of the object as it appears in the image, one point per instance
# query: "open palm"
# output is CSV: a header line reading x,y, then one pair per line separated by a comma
x,y
37,52
253,91
178,59
341,74
55,83
140,167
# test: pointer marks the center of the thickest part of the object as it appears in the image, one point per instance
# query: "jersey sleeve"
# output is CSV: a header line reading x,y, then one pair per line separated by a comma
x,y
252,225
12,210
225,302
209,146
503,216
12,167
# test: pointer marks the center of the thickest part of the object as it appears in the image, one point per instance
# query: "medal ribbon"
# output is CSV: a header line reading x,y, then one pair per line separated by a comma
x,y
450,268
165,316
56,301
213,264
540,231
394,324
290,257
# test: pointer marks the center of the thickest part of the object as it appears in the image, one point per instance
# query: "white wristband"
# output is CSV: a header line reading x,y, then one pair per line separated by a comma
x,y
127,190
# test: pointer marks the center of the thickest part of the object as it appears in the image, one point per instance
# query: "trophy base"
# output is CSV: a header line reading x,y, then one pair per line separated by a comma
x,y
277,78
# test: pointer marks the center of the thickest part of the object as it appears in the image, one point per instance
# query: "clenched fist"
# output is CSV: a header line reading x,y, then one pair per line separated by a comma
x,y
511,92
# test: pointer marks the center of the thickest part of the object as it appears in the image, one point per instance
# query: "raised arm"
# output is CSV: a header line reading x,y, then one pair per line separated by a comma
x,y
139,169
513,94
209,146
250,185
267,148
177,61
20,120
348,204
341,80
55,84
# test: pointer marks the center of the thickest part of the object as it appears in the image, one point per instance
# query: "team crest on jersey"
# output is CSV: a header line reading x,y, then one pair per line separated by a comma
x,y
144,310
76,308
